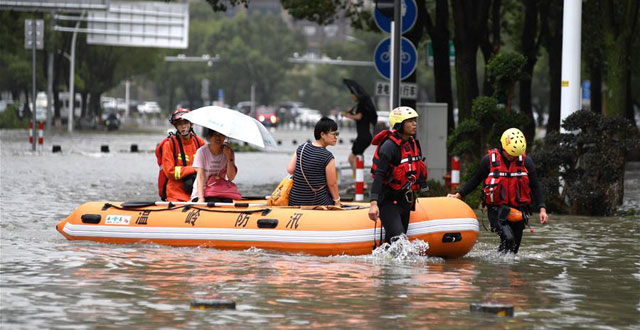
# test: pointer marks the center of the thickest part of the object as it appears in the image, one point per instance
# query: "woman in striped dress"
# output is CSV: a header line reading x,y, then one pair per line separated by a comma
x,y
314,168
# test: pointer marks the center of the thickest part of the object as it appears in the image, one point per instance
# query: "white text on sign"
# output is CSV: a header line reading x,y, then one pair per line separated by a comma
x,y
407,90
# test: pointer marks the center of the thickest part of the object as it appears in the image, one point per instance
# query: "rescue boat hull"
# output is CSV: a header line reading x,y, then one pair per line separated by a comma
x,y
448,225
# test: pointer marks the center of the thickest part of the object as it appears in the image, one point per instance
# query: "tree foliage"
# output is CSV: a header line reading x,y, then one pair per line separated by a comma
x,y
620,24
326,12
253,49
590,161
505,69
15,60
100,68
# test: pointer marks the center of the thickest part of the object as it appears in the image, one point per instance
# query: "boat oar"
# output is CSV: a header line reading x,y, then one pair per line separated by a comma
x,y
256,197
208,204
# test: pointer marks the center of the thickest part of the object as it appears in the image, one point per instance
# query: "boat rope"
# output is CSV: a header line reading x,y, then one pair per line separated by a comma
x,y
375,224
171,207
377,243
482,220
187,207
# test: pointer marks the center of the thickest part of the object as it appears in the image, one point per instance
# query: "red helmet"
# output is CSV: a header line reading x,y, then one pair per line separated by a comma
x,y
177,115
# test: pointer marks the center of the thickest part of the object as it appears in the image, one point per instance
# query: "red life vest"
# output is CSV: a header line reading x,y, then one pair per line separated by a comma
x,y
410,172
162,177
506,186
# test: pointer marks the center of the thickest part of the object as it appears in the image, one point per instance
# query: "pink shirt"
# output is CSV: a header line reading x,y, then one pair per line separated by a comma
x,y
212,165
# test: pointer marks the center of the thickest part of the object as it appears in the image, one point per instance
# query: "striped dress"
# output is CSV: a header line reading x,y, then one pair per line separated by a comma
x,y
314,161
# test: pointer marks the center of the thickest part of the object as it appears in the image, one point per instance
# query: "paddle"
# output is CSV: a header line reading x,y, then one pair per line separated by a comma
x,y
255,197
208,204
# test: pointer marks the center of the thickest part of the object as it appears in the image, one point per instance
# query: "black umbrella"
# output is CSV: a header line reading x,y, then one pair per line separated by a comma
x,y
364,100
355,88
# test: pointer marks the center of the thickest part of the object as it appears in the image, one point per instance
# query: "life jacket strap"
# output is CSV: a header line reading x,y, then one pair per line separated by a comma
x,y
497,174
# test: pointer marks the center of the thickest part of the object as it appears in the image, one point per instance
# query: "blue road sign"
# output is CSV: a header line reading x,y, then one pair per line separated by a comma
x,y
586,89
409,17
382,58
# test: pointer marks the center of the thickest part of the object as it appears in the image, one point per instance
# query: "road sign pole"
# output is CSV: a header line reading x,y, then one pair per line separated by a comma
x,y
33,90
392,72
397,52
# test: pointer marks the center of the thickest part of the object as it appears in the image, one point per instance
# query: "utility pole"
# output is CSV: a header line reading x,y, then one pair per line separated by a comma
x,y
33,39
571,41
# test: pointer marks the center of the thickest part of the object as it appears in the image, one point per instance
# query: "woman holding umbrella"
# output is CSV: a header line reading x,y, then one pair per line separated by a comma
x,y
216,158
215,161
364,114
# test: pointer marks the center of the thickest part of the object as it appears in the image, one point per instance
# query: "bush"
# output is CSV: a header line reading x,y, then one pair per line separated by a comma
x,y
9,118
590,161
473,136
489,118
505,69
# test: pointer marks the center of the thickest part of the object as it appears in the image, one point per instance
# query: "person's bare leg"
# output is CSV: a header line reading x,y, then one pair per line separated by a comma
x,y
352,163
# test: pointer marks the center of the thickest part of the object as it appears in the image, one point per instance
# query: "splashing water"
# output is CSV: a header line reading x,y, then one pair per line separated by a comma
x,y
401,250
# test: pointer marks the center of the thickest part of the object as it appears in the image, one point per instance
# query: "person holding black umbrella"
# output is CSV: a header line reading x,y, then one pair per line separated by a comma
x,y
364,114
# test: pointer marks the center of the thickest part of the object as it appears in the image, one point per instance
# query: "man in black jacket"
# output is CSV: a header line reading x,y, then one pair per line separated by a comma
x,y
399,172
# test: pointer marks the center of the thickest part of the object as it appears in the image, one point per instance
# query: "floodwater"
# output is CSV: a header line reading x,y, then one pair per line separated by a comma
x,y
577,272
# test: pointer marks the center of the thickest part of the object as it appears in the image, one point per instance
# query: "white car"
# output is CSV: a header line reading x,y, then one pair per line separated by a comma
x,y
149,107
383,119
308,117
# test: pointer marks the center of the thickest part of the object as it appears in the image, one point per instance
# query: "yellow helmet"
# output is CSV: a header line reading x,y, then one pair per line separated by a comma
x,y
400,114
513,142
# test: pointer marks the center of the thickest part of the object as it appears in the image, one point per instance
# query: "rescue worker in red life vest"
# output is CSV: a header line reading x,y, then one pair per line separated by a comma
x,y
399,172
177,158
510,182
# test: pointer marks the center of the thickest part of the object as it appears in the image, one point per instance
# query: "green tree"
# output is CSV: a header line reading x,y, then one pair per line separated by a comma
x,y
252,49
505,69
529,44
470,20
100,68
620,21
438,30
551,25
593,51
15,60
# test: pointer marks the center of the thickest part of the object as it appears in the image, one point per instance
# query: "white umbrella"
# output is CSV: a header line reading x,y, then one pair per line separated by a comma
x,y
233,124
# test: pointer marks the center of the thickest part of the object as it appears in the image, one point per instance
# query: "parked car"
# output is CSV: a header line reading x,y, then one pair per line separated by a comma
x,y
288,111
267,116
308,117
244,107
149,108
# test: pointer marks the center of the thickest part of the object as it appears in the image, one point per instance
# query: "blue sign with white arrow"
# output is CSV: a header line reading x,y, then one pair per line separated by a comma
x,y
409,17
382,58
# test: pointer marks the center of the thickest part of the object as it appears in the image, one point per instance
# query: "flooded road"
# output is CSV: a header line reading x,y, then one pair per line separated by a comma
x,y
576,272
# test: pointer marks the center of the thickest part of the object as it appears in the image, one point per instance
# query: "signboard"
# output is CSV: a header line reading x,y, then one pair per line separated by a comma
x,y
407,90
66,6
382,58
29,31
409,17
140,24
452,54
586,90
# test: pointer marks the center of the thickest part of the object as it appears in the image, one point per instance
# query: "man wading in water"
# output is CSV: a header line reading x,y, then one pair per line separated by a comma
x,y
509,183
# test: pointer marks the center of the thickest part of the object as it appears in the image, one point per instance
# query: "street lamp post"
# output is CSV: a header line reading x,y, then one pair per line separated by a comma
x,y
72,62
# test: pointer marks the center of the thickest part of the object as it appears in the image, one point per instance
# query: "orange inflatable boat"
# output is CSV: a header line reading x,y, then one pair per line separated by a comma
x,y
448,225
